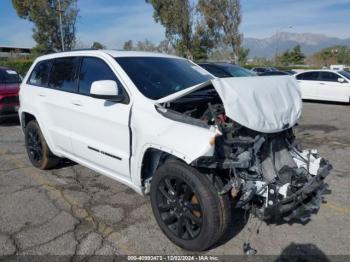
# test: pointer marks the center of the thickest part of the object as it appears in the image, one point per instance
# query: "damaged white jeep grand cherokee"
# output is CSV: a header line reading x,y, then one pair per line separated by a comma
x,y
163,125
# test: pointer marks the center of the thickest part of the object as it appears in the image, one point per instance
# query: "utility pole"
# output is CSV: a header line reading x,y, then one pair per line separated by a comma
x,y
59,10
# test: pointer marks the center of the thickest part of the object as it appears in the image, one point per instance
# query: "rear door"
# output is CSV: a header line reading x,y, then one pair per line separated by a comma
x,y
309,84
100,130
55,101
331,89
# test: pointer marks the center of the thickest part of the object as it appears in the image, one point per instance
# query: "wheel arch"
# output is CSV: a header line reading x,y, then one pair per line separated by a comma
x,y
25,118
151,159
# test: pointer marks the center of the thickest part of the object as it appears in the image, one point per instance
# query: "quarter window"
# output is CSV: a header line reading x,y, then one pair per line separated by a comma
x,y
94,69
63,74
329,77
310,76
40,74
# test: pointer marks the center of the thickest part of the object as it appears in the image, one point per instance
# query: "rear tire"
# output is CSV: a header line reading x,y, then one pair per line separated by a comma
x,y
187,206
37,149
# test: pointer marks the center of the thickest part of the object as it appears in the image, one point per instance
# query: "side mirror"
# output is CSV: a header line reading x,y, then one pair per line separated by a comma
x,y
106,89
341,80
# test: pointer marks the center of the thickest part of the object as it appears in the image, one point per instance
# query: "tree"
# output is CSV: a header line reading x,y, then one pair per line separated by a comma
x,y
331,55
243,55
45,16
98,45
343,55
166,47
285,58
145,45
128,45
223,18
296,56
183,27
176,17
202,42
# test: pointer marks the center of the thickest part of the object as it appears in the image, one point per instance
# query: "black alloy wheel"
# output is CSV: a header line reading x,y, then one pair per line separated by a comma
x,y
38,151
34,145
187,206
179,208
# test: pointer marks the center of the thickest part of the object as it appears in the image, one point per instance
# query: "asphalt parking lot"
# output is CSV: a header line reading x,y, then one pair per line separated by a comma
x,y
72,210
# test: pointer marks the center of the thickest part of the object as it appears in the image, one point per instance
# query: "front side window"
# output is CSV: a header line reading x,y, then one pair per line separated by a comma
x,y
40,74
329,77
63,75
94,69
157,77
9,76
310,76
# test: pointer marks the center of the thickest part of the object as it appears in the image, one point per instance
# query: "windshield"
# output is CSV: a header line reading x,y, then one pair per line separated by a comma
x,y
237,71
158,77
9,76
345,73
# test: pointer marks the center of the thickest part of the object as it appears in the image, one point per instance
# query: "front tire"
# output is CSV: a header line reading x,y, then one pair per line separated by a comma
x,y
37,149
187,206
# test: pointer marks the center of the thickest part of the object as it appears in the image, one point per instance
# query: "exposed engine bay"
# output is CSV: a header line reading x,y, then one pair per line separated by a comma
x,y
265,173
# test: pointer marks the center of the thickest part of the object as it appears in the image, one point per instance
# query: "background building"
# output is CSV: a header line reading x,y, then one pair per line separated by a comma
x,y
13,52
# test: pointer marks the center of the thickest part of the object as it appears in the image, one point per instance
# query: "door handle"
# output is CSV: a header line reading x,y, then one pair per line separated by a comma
x,y
77,103
42,95
321,83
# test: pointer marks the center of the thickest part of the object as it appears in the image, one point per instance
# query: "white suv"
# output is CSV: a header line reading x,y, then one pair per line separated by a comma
x,y
163,125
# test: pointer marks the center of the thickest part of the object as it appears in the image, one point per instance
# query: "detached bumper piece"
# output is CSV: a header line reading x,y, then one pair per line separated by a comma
x,y
300,204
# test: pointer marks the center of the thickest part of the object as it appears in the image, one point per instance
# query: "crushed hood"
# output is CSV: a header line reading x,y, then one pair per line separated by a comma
x,y
266,104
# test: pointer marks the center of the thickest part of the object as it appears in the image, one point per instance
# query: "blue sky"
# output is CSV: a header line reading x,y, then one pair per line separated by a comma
x,y
112,22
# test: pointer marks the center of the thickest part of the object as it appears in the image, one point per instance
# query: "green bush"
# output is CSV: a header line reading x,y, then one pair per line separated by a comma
x,y
21,66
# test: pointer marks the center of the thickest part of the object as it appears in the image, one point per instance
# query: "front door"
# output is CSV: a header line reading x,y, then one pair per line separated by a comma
x,y
331,89
100,128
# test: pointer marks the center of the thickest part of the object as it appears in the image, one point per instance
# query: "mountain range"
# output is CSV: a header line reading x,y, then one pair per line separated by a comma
x,y
310,43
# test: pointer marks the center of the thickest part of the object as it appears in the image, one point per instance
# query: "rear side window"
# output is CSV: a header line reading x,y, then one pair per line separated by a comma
x,y
40,74
310,76
329,77
63,75
94,69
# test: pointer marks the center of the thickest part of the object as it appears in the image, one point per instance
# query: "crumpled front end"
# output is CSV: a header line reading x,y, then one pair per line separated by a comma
x,y
267,173
255,152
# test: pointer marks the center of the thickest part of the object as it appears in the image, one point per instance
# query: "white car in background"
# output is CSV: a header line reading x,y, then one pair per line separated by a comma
x,y
329,85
